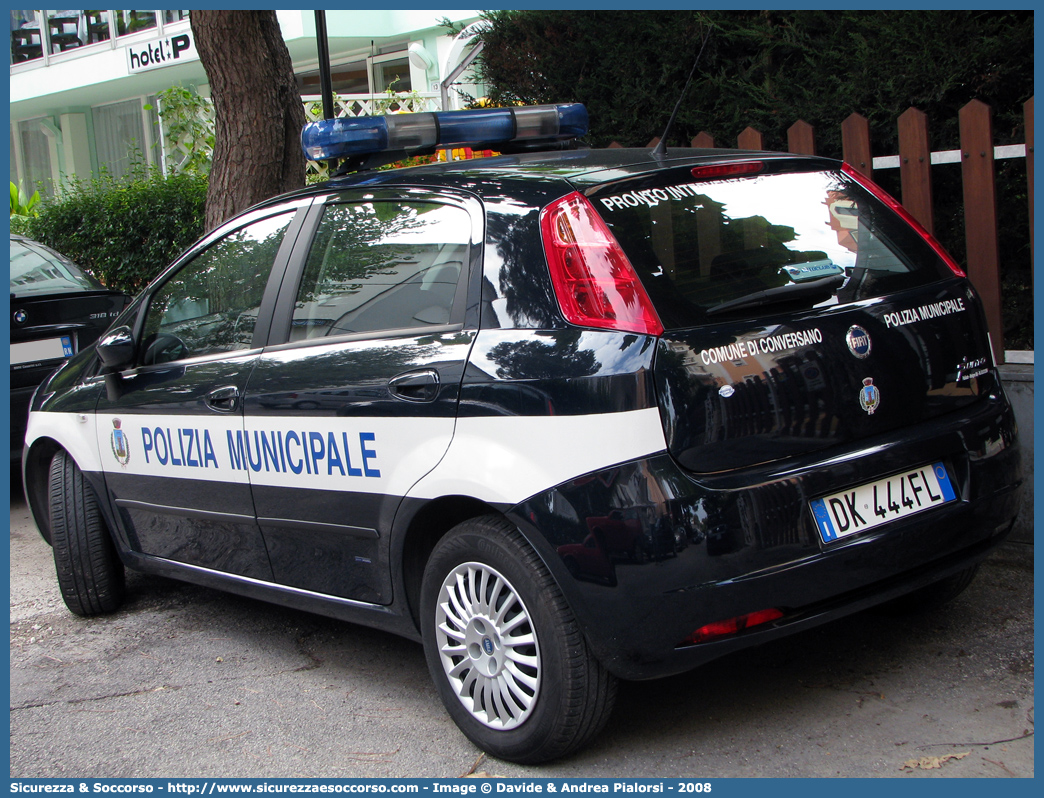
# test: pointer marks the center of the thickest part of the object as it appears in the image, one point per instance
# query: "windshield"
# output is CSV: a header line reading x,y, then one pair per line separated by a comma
x,y
707,249
36,269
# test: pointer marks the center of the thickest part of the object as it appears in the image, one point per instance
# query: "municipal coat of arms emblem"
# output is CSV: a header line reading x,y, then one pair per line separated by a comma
x,y
119,443
869,396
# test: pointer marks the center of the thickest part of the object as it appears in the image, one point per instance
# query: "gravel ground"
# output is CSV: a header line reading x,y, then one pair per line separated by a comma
x,y
189,682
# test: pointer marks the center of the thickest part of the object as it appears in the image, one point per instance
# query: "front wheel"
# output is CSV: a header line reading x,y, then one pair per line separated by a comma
x,y
507,656
90,574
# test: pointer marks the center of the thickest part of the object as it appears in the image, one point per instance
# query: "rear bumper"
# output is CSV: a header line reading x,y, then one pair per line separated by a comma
x,y
646,554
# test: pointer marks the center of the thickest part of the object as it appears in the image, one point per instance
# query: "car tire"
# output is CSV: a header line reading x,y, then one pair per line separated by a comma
x,y
932,596
90,574
511,665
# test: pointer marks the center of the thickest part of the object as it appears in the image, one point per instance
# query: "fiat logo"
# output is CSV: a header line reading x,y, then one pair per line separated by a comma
x,y
487,645
858,341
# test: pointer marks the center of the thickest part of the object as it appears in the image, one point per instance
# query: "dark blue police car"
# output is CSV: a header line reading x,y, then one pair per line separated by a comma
x,y
566,416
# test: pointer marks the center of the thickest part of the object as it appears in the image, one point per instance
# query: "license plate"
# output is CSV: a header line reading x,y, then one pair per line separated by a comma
x,y
39,351
867,506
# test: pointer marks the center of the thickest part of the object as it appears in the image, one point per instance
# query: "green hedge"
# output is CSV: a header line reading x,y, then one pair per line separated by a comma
x,y
123,231
766,69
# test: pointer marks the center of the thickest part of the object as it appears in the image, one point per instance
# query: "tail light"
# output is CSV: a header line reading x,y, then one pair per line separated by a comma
x,y
595,283
730,627
891,202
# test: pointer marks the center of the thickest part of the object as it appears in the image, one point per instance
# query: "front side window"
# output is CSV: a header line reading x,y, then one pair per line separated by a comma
x,y
211,304
382,265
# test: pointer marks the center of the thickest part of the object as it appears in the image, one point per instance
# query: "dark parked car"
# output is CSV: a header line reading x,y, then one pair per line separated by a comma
x,y
56,310
565,416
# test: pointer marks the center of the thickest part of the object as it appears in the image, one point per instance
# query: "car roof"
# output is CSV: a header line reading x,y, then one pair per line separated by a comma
x,y
580,167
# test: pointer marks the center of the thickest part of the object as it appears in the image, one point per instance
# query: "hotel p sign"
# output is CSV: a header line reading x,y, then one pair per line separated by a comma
x,y
158,53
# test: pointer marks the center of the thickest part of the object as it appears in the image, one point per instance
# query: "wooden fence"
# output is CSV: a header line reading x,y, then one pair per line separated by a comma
x,y
976,155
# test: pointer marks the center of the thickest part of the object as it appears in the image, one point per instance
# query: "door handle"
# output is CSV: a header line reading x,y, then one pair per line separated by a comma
x,y
223,400
415,386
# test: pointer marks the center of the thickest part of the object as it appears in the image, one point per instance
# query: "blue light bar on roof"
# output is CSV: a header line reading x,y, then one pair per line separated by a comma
x,y
347,137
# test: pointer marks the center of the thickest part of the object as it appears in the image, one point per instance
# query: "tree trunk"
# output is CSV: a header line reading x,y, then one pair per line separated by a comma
x,y
258,113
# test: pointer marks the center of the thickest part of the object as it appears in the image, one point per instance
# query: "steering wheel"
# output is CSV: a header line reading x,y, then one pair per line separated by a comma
x,y
163,348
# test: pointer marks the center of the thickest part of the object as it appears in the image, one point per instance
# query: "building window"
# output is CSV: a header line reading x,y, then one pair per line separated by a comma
x,y
96,25
13,163
26,40
128,22
70,29
125,135
31,158
346,78
391,73
373,75
66,30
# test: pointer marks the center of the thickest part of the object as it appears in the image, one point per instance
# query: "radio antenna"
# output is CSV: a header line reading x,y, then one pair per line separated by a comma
x,y
661,148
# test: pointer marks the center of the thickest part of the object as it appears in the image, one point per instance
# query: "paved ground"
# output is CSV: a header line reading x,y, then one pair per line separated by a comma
x,y
189,682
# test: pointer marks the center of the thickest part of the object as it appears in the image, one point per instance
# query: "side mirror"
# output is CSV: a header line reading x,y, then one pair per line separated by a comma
x,y
116,349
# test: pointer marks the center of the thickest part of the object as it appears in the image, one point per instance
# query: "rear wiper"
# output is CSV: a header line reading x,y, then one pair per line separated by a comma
x,y
823,287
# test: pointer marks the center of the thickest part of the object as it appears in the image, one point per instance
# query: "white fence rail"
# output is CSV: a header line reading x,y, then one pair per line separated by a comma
x,y
373,104
352,105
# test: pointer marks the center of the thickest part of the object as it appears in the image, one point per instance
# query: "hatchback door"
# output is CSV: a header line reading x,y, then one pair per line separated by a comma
x,y
356,399
799,311
165,430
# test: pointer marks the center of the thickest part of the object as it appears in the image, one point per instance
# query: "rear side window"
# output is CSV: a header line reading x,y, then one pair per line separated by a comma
x,y
382,265
739,248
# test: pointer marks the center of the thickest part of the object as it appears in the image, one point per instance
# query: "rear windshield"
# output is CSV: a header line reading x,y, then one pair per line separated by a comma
x,y
36,269
740,248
